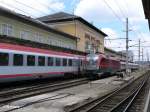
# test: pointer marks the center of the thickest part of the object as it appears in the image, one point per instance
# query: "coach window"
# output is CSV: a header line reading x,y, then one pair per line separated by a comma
x,y
41,61
18,60
81,63
58,61
4,59
70,62
74,62
50,61
64,62
30,60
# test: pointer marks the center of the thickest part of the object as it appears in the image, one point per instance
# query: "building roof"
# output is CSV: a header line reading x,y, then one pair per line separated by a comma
x,y
146,6
56,17
62,17
31,21
113,51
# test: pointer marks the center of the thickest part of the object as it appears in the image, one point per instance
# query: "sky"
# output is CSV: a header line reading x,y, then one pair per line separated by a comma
x,y
107,15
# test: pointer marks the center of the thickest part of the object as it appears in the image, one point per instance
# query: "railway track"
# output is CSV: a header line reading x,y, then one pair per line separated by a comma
x,y
15,94
121,100
138,101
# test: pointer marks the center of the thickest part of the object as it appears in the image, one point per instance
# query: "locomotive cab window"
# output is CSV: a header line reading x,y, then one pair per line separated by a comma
x,y
64,62
30,60
50,61
4,59
18,60
58,61
41,61
70,62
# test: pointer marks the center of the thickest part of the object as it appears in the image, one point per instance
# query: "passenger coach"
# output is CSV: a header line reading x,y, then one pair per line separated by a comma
x,y
22,63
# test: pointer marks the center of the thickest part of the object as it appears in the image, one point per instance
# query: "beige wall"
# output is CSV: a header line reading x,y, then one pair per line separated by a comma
x,y
45,36
79,29
119,56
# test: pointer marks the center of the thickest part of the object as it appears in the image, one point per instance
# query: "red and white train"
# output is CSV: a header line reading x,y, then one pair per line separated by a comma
x,y
24,63
99,65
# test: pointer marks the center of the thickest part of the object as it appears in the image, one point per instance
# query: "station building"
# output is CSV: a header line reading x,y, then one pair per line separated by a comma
x,y
60,30
16,25
113,53
90,38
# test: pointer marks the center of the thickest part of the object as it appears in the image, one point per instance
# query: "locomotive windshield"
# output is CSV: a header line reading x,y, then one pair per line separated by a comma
x,y
92,59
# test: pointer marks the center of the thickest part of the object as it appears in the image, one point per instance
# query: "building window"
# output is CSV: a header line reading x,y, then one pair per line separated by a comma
x,y
41,61
50,41
39,37
97,45
18,60
87,36
64,62
58,61
87,45
50,61
30,60
7,29
25,34
4,59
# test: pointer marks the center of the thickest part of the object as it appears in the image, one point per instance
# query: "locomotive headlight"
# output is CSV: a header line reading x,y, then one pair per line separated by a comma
x,y
95,58
87,59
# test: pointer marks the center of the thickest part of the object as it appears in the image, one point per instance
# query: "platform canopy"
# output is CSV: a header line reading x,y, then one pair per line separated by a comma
x,y
146,6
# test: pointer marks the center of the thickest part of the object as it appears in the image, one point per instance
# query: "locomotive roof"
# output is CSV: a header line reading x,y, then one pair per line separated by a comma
x,y
105,56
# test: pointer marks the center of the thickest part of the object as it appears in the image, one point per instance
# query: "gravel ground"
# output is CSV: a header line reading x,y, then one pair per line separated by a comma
x,y
57,101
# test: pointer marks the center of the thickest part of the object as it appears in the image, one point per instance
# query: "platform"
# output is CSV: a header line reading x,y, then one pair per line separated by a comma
x,y
58,100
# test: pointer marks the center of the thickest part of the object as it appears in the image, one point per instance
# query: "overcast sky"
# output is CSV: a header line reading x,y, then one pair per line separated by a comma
x,y
107,15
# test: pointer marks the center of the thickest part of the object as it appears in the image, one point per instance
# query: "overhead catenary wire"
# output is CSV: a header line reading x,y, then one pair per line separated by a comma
x,y
126,5
25,5
32,8
112,10
35,9
122,12
46,5
138,33
138,44
15,8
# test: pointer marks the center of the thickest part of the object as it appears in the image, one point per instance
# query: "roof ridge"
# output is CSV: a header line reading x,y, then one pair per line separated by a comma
x,y
63,16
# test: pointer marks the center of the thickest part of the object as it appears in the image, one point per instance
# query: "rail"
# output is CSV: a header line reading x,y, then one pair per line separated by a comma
x,y
116,100
8,96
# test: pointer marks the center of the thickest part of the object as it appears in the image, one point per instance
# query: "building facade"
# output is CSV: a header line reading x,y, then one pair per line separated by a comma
x,y
130,55
112,53
19,26
90,39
